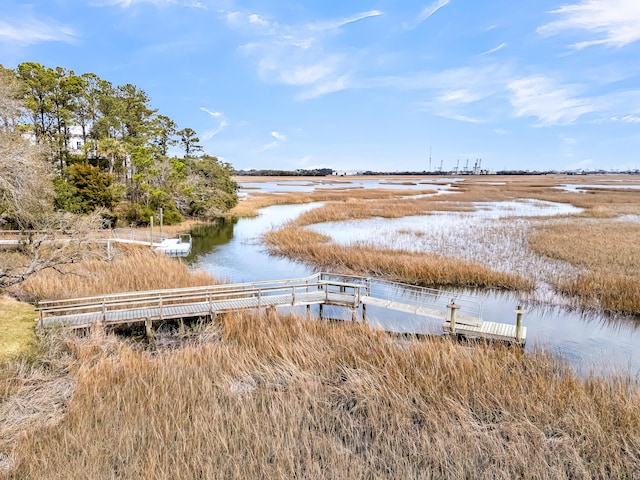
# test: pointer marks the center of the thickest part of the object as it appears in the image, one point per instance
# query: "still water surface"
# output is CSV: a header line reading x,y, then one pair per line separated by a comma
x,y
589,342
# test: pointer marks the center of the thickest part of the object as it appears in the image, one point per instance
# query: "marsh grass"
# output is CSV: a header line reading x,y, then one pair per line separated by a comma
x,y
131,269
280,397
499,246
425,269
249,207
17,337
609,254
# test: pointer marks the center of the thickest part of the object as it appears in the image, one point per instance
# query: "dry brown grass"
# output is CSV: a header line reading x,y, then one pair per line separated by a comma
x,y
286,398
249,207
597,202
17,337
131,269
609,253
596,286
397,265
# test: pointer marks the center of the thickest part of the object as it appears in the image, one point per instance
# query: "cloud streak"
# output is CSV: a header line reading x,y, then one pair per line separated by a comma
x,y
551,104
426,13
616,23
222,124
279,137
300,55
31,31
494,50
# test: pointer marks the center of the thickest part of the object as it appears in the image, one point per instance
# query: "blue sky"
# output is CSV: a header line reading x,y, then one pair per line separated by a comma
x,y
373,85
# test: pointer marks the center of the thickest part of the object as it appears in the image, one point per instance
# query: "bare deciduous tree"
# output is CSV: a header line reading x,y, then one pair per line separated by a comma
x,y
49,239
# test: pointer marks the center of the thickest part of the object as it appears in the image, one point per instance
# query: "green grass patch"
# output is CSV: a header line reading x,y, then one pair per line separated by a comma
x,y
17,334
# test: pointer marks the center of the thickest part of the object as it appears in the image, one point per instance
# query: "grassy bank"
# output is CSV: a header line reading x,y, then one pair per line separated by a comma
x,y
286,398
17,337
609,254
397,265
130,269
594,261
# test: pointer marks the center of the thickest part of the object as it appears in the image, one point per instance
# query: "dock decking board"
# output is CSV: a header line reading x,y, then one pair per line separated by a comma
x,y
199,302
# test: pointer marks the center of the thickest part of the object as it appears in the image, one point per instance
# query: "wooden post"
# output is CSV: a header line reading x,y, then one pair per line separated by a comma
x,y
97,329
452,320
308,311
364,312
147,328
161,215
519,311
151,232
320,308
354,313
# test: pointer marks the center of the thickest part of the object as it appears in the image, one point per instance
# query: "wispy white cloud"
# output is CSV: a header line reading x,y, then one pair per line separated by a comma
x,y
494,50
210,112
157,3
30,31
460,96
461,118
426,13
341,22
129,3
310,74
551,104
616,23
626,119
222,124
257,20
325,87
279,137
299,55
581,165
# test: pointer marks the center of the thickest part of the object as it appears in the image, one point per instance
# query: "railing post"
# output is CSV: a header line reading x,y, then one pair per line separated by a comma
x,y
148,328
160,310
210,302
453,307
293,295
519,311
104,309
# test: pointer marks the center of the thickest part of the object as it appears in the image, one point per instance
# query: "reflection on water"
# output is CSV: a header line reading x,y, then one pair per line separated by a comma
x,y
234,252
205,238
588,341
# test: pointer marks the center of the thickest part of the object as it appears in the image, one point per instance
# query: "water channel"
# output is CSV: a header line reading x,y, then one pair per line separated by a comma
x,y
588,341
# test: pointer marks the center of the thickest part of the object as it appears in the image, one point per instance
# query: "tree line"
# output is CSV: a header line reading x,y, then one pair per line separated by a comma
x,y
109,149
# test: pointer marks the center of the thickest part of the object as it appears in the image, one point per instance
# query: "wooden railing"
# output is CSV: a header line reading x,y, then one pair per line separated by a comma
x,y
346,290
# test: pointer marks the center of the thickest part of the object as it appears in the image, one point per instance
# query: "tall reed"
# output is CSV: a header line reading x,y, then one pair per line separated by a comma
x,y
403,266
131,269
609,254
280,397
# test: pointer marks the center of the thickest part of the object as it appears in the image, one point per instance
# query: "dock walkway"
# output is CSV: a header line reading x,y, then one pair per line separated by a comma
x,y
323,289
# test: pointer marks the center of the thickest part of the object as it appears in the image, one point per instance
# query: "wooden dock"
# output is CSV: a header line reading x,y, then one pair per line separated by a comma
x,y
323,289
